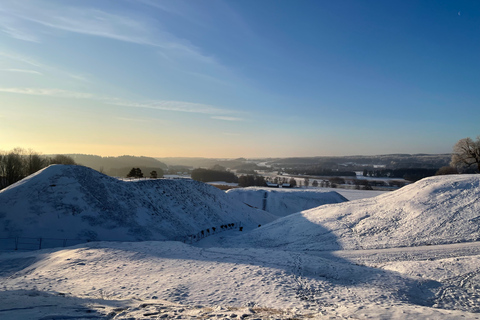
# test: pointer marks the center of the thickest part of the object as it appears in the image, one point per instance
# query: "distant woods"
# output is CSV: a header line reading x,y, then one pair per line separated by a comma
x,y
19,163
410,174
251,180
209,175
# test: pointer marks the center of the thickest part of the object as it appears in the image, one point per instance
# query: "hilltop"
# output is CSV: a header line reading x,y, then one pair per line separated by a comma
x,y
285,269
435,210
118,166
73,202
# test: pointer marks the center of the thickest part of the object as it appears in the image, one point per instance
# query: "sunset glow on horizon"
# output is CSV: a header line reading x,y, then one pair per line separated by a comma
x,y
228,79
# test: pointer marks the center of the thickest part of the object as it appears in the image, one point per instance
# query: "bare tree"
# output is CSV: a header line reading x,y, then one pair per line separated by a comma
x,y
62,159
12,167
466,153
34,162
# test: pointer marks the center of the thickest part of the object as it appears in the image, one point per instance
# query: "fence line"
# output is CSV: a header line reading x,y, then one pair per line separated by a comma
x,y
29,244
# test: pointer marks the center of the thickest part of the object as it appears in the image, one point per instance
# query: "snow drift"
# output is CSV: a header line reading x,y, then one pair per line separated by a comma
x,y
282,202
75,202
435,210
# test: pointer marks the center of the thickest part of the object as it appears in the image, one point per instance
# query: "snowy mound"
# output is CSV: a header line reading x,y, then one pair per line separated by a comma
x,y
75,202
436,210
282,202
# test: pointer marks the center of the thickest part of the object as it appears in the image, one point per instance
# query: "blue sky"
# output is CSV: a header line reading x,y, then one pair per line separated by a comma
x,y
239,78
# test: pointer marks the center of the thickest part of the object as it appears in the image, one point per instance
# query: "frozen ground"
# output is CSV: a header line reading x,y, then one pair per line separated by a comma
x,y
171,279
278,271
75,202
435,210
284,201
356,194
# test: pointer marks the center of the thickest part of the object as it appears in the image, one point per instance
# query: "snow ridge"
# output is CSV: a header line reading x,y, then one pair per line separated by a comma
x,y
78,202
282,202
436,210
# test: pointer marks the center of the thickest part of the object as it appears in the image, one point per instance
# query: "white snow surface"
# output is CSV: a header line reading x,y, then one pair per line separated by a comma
x,y
435,210
282,201
76,202
278,276
139,280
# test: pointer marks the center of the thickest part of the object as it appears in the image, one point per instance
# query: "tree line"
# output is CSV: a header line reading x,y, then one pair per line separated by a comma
x,y
138,174
209,175
20,163
410,174
318,171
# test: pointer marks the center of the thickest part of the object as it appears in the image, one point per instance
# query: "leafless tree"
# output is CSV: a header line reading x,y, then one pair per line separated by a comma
x,y
62,159
34,162
466,153
12,166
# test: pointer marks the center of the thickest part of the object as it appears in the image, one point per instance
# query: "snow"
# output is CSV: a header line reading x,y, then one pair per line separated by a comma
x,y
282,202
360,259
75,202
352,194
133,279
435,210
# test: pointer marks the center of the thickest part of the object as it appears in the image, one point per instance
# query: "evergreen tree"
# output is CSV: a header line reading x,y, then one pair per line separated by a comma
x,y
132,173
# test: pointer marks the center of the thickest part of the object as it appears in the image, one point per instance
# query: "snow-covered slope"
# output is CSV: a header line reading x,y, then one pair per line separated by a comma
x,y
172,280
282,202
71,202
436,210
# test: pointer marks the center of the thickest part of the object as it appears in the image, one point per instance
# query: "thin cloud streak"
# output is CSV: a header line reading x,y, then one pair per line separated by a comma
x,y
23,71
18,34
177,106
59,93
33,63
22,59
95,22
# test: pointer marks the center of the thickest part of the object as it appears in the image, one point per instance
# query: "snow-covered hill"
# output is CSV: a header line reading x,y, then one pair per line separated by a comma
x,y
282,202
436,210
170,279
75,202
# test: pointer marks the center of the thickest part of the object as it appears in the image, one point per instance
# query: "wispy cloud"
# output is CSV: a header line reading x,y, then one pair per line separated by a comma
x,y
49,92
17,33
28,61
165,105
22,59
94,22
23,71
178,106
227,118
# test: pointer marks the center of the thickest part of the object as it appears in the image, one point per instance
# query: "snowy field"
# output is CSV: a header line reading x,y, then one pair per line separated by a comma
x,y
409,254
284,201
175,280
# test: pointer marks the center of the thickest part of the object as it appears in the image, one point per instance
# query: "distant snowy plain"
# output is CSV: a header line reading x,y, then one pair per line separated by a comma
x,y
408,254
